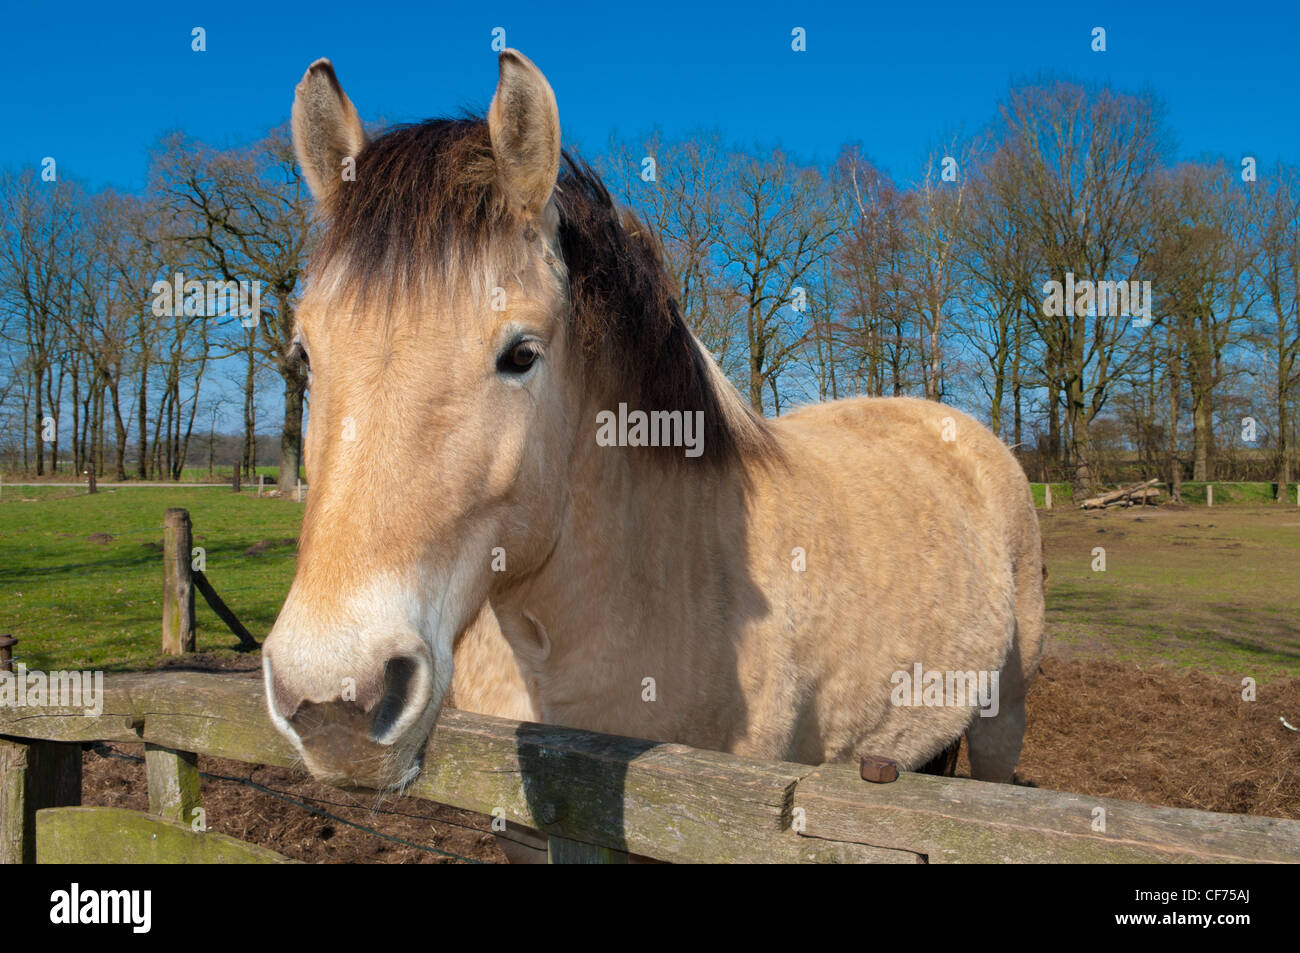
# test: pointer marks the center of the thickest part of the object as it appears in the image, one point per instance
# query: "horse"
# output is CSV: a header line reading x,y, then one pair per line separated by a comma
x,y
490,519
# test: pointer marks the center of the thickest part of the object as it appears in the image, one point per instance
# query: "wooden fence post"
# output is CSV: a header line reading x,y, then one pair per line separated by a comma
x,y
299,490
33,776
234,482
7,643
1047,498
173,783
178,586
1209,494
261,484
90,480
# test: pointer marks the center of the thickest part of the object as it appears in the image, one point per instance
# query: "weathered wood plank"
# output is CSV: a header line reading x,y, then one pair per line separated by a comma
x,y
665,801
13,797
173,778
216,715
112,835
955,820
33,775
680,804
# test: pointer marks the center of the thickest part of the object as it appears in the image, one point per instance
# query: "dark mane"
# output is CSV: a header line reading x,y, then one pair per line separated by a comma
x,y
425,203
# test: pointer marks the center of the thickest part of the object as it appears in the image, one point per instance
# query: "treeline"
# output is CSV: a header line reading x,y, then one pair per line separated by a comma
x,y
1110,312
100,368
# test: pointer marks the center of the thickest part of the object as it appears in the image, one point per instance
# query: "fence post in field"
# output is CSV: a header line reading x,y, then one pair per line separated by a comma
x,y
1209,494
90,481
1047,497
261,484
234,482
7,643
33,775
173,783
299,489
178,586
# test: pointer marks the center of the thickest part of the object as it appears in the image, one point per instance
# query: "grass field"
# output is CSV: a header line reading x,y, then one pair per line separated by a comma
x,y
76,603
1211,589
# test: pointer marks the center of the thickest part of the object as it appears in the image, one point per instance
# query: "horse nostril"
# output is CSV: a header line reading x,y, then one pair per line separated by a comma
x,y
399,674
282,700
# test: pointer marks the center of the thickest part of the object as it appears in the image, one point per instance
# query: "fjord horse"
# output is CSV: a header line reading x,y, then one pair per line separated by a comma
x,y
477,309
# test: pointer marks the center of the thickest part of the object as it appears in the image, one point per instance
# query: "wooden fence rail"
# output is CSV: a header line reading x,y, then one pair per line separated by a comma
x,y
597,796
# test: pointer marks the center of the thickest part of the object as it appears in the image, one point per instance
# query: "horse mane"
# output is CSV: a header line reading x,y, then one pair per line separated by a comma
x,y
425,204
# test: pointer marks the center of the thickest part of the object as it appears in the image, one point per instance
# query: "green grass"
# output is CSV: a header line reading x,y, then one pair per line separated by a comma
x,y
1062,493
1193,493
1231,493
78,604
222,475
1212,589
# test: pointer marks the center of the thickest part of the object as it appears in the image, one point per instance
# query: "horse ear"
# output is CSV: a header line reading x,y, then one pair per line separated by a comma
x,y
524,124
326,129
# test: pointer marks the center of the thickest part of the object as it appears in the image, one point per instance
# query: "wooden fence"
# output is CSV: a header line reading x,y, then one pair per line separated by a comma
x,y
597,797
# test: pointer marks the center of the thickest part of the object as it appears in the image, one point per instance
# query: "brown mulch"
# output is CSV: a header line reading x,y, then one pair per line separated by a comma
x,y
1155,735
444,834
1160,735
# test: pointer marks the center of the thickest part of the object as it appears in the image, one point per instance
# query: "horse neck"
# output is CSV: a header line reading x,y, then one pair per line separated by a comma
x,y
642,554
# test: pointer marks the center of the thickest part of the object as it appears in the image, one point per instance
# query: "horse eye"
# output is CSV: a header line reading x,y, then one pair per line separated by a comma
x,y
518,357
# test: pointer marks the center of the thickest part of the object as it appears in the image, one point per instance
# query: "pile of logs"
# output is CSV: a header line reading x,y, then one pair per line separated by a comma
x,y
1139,493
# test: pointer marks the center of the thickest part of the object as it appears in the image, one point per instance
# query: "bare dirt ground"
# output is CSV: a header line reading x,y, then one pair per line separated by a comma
x,y
1156,735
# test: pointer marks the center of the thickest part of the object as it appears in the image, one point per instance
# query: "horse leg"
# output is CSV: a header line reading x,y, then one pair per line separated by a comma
x,y
944,763
994,743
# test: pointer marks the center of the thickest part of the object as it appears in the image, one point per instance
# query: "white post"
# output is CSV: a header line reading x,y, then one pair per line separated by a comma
x,y
1047,499
1209,494
261,482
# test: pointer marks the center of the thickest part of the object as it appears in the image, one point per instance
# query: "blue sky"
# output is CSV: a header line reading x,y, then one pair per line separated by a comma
x,y
95,84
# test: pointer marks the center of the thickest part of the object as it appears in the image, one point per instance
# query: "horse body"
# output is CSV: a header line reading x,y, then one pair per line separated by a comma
x,y
903,562
476,305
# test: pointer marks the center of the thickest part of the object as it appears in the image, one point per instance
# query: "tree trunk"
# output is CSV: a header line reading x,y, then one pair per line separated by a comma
x,y
40,425
295,386
1175,465
142,449
119,432
1202,435
250,421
